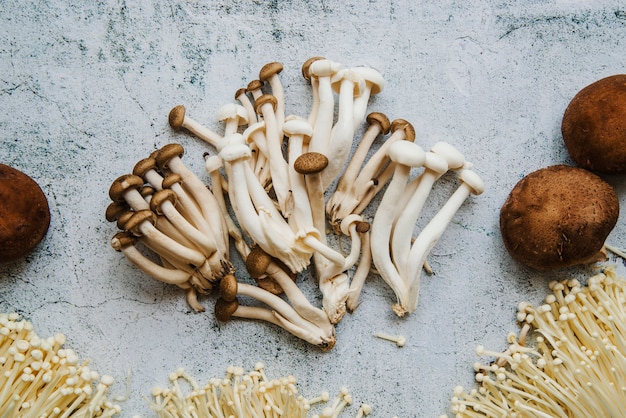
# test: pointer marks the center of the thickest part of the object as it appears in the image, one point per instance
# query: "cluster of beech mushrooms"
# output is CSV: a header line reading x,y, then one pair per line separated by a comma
x,y
41,378
569,359
279,184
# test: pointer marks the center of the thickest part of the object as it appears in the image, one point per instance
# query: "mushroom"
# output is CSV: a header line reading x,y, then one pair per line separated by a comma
x,y
24,214
278,312
178,119
348,84
41,377
239,394
265,105
256,212
594,126
574,367
372,177
378,124
558,216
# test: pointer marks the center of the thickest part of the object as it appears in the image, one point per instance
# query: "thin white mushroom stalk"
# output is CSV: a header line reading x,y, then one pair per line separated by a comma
x,y
569,359
244,395
398,259
363,180
42,378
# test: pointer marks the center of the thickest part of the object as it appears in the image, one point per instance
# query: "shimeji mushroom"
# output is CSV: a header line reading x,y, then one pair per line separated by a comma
x,y
275,310
397,260
574,366
358,190
256,212
244,395
41,378
180,220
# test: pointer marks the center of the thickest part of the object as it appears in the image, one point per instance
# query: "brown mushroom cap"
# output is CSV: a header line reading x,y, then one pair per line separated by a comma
x,y
402,124
381,119
310,163
24,214
594,126
269,70
228,287
177,117
224,309
558,216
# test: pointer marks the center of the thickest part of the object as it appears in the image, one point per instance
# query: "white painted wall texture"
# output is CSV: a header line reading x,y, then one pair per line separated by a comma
x,y
86,88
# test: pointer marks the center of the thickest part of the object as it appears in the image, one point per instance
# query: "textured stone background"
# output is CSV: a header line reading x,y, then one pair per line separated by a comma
x,y
86,87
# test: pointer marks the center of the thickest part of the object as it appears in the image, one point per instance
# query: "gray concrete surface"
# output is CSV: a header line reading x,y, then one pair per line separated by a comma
x,y
86,87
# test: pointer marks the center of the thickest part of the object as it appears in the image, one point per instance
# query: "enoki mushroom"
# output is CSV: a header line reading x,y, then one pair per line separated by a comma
x,y
576,366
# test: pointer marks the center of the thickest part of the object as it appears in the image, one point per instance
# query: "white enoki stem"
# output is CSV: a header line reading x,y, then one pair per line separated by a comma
x,y
41,378
235,395
577,366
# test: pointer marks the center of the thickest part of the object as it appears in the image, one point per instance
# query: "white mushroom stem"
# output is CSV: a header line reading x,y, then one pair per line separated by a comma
x,y
124,243
256,212
298,300
374,84
439,160
277,163
406,155
323,70
269,73
164,203
297,129
167,246
200,193
347,179
277,304
361,273
254,312
399,340
212,165
373,175
342,133
434,167
426,240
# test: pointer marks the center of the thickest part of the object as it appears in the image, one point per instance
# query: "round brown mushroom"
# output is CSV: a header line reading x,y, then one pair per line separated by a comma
x,y
557,217
594,126
24,214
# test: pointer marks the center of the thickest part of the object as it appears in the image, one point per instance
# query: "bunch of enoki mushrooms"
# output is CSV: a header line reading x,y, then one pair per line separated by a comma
x,y
281,186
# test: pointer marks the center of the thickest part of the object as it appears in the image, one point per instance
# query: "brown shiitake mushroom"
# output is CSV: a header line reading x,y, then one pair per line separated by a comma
x,y
24,214
558,216
594,126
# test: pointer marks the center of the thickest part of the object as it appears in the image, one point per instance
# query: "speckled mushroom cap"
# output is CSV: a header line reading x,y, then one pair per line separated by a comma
x,y
24,214
594,126
557,217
